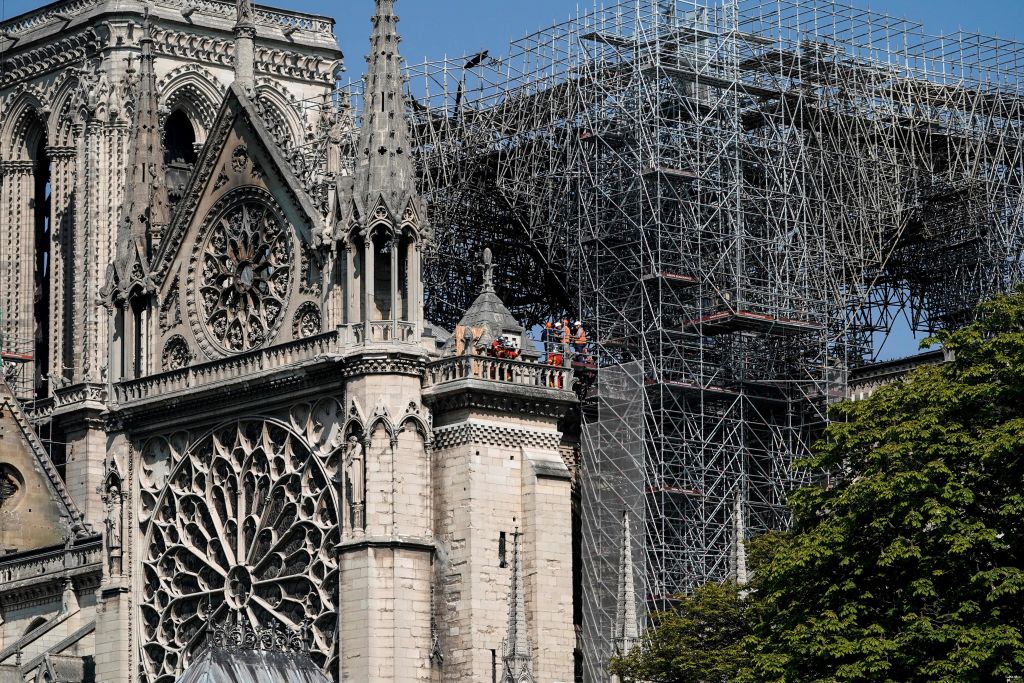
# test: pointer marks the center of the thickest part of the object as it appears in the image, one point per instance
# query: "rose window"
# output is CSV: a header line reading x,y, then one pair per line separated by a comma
x,y
246,523
245,276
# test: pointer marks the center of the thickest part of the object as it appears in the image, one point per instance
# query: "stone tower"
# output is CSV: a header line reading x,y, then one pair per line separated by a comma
x,y
277,437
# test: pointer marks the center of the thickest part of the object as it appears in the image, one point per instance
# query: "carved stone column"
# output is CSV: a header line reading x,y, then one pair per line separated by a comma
x,y
62,184
17,262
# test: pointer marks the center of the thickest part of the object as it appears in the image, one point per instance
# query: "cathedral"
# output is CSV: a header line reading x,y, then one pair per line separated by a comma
x,y
231,445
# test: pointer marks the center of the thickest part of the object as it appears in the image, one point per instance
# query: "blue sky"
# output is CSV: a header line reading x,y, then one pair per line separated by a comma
x,y
435,27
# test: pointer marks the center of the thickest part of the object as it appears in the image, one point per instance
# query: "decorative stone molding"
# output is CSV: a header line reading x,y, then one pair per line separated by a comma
x,y
68,49
221,51
391,364
494,434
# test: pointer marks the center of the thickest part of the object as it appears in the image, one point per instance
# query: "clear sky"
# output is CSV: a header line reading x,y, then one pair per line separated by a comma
x,y
456,27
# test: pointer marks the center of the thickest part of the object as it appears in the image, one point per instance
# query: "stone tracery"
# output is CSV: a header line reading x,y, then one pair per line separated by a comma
x,y
246,522
244,279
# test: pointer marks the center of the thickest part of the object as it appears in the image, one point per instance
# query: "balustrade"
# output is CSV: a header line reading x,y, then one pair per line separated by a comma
x,y
499,370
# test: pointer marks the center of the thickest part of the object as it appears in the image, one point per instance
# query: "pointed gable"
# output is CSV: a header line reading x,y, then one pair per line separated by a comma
x,y
237,269
35,508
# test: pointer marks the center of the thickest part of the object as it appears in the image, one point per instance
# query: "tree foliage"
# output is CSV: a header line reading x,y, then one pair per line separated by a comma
x,y
700,641
904,562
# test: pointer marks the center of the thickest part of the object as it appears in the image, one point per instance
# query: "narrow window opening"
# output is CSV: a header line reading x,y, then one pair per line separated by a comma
x,y
494,666
180,154
137,361
43,241
502,559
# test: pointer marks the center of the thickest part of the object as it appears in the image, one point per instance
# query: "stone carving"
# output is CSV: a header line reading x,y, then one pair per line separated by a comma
x,y
355,484
243,269
170,309
307,321
176,354
113,501
221,181
246,523
239,158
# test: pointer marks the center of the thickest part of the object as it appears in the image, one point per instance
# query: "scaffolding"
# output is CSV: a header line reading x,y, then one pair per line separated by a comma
x,y
739,197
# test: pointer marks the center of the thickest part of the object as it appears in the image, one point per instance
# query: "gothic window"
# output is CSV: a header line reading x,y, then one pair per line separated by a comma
x,y
244,259
246,522
180,154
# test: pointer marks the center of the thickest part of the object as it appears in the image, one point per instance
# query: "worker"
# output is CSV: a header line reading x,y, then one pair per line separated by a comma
x,y
566,333
547,337
579,342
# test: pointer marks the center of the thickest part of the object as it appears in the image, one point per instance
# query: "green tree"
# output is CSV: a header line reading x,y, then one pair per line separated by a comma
x,y
905,563
699,641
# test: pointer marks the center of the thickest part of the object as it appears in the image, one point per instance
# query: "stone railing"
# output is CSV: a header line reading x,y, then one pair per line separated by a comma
x,y
499,370
227,369
265,16
59,559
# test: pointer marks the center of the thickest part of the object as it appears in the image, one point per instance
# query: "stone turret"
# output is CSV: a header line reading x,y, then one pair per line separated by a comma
x,y
382,221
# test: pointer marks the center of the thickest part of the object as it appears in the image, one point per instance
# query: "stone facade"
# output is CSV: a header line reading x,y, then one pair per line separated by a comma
x,y
249,417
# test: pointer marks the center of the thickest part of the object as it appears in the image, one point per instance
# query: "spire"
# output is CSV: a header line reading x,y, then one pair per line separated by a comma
x,y
144,213
627,627
739,543
384,168
245,45
518,656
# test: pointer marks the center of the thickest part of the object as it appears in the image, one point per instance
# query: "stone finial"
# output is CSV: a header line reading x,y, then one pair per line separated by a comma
x,y
487,266
518,653
627,627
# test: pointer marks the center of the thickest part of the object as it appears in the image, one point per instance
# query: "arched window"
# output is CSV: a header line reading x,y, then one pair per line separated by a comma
x,y
180,154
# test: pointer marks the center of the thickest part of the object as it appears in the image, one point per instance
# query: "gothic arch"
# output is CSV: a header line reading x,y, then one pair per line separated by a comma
x,y
216,500
419,424
25,126
196,92
384,421
283,106
62,119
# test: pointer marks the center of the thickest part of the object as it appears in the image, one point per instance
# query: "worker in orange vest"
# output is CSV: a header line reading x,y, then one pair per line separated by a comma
x,y
566,332
547,337
579,340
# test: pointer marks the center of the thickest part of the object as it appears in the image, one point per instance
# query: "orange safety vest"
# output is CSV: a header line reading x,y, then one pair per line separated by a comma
x,y
581,336
566,333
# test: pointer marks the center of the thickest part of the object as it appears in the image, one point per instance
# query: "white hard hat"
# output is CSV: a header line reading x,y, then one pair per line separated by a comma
x,y
578,323
558,324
